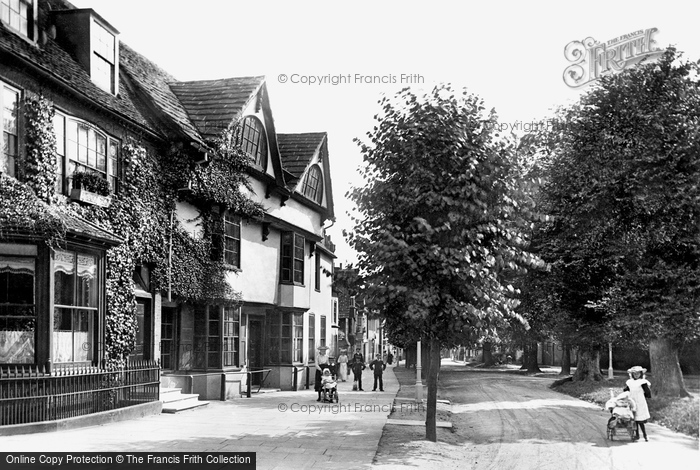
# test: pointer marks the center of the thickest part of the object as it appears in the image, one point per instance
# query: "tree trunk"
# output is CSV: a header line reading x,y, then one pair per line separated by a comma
x,y
565,359
410,354
530,359
668,378
524,358
588,366
487,356
431,411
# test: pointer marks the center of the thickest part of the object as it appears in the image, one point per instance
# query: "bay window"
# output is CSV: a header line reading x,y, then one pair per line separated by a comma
x,y
284,335
216,337
292,258
80,146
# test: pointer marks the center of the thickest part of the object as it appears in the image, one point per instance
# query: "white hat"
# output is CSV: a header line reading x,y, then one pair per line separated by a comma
x,y
323,348
637,369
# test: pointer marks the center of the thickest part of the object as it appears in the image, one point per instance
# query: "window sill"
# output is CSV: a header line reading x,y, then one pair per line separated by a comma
x,y
233,268
295,284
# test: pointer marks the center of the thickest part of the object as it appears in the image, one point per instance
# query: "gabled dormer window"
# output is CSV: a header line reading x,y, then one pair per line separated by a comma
x,y
312,185
253,141
19,15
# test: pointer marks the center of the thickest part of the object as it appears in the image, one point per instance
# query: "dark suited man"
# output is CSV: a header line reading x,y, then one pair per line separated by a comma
x,y
358,365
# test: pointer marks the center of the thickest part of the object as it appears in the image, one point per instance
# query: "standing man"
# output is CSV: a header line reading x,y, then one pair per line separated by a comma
x,y
378,367
358,365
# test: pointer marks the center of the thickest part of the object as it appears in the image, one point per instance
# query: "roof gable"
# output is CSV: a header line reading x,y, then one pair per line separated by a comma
x,y
298,152
213,105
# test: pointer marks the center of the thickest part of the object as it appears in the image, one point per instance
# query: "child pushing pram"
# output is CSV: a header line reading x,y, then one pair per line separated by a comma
x,y
622,409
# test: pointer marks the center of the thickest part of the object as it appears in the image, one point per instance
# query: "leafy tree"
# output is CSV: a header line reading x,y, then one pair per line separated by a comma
x,y
440,221
623,183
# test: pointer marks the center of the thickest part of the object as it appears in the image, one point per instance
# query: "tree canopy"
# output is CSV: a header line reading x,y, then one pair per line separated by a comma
x,y
442,219
622,170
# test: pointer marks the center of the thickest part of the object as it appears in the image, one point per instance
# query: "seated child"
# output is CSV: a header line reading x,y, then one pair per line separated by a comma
x,y
327,381
622,406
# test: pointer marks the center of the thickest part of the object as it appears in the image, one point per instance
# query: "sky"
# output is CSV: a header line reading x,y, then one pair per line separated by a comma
x,y
510,53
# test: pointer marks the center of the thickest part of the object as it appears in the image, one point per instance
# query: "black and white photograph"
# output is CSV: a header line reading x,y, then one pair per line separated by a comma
x,y
354,235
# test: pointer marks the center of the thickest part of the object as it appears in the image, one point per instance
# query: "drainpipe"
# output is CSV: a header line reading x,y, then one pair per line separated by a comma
x,y
170,259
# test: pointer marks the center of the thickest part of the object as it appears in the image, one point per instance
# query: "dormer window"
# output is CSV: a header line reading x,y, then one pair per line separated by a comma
x,y
312,185
92,42
253,141
102,64
19,15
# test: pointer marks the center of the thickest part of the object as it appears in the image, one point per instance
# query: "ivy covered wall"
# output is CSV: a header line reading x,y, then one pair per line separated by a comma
x,y
140,213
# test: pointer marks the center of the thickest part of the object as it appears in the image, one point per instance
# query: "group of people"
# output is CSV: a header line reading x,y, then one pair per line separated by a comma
x,y
356,365
632,402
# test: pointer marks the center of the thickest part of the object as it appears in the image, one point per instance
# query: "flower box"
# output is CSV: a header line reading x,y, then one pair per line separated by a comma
x,y
88,197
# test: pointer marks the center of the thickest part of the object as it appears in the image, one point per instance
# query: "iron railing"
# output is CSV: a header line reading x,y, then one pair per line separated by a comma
x,y
30,394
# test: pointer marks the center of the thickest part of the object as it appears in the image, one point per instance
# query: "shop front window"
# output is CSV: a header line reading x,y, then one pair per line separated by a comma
x,y
76,287
17,309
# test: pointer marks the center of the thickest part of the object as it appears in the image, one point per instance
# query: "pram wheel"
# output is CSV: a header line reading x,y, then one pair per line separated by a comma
x,y
612,423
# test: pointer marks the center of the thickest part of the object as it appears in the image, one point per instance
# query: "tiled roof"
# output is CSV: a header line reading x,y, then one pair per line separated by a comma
x,y
213,104
297,150
81,227
57,63
153,81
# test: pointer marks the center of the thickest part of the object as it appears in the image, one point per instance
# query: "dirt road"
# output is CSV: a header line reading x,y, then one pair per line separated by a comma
x,y
510,421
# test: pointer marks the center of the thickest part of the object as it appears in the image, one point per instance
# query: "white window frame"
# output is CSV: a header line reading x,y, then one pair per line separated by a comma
x,y
112,146
10,17
7,167
104,56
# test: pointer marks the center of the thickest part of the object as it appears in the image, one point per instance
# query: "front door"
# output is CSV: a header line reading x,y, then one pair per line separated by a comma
x,y
256,348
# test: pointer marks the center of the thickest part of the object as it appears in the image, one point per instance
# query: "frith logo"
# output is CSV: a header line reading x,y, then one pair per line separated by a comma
x,y
591,59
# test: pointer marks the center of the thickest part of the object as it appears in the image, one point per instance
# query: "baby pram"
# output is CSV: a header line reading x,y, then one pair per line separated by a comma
x,y
622,410
329,385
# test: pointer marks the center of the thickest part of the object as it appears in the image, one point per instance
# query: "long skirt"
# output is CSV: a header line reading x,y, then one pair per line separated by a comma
x,y
343,371
317,381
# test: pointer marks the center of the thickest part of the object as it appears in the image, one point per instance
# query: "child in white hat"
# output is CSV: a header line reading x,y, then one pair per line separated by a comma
x,y
638,386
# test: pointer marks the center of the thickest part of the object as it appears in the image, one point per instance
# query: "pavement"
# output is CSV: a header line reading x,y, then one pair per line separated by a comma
x,y
286,430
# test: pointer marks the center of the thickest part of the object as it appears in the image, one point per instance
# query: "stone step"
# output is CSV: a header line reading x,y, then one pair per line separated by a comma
x,y
181,405
167,394
174,400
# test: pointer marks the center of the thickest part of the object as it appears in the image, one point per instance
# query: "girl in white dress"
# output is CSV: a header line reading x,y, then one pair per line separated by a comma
x,y
638,386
